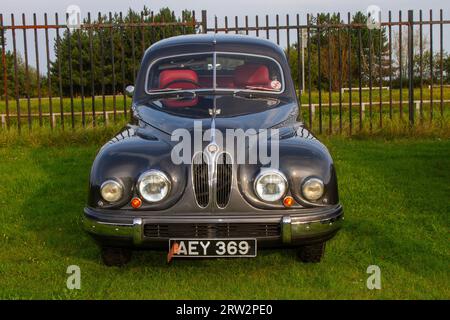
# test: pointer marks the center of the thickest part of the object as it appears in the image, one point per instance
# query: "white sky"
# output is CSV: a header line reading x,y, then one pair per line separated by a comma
x,y
228,8
221,8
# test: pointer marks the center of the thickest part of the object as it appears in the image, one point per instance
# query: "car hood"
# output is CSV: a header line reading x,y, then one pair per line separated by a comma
x,y
168,122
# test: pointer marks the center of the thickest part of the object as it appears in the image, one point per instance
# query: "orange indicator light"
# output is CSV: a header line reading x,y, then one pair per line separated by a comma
x,y
136,203
288,201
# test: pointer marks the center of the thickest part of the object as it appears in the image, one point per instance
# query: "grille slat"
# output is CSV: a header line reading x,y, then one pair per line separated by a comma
x,y
214,230
200,179
224,172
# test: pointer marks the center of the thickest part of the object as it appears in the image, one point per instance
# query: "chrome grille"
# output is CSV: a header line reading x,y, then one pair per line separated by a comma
x,y
212,230
224,175
200,179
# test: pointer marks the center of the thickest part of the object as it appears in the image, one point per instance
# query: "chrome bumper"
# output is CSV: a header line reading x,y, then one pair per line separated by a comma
x,y
134,231
294,227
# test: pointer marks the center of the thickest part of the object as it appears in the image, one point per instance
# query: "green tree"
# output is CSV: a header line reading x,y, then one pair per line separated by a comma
x,y
334,49
109,57
426,70
446,64
26,82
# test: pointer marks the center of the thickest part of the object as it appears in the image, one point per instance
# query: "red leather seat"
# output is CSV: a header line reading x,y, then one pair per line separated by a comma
x,y
253,75
178,78
182,79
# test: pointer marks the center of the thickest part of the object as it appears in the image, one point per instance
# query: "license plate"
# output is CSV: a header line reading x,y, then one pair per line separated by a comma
x,y
212,248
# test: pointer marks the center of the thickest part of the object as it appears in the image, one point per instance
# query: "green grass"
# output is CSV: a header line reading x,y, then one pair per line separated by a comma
x,y
396,199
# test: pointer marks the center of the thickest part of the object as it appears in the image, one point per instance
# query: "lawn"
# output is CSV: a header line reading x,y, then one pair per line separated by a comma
x,y
395,194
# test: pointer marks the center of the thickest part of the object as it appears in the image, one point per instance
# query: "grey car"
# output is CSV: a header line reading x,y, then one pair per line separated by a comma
x,y
153,188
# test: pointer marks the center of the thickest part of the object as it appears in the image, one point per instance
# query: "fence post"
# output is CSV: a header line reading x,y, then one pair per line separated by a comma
x,y
411,66
204,21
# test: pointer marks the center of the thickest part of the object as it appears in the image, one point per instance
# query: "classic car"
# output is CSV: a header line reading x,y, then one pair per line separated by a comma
x,y
153,188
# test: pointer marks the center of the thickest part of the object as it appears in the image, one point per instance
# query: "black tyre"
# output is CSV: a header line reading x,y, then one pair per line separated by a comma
x,y
115,257
312,253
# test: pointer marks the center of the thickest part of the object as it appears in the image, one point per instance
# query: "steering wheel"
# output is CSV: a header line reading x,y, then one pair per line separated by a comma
x,y
181,81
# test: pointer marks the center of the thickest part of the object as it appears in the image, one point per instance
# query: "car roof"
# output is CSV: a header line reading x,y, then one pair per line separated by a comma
x,y
218,38
217,42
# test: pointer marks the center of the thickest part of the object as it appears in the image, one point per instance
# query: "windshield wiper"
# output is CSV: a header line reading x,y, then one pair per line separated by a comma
x,y
173,93
250,95
165,90
261,89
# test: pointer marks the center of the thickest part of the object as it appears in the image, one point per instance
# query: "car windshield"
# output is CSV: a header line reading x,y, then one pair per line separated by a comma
x,y
233,72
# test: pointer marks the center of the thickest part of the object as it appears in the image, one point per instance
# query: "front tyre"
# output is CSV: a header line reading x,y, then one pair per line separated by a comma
x,y
115,257
311,253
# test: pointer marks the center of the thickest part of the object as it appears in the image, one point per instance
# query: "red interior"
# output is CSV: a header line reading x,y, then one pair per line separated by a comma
x,y
256,75
179,78
223,81
246,75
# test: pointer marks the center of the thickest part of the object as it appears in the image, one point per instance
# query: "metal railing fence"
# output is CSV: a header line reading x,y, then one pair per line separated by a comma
x,y
350,74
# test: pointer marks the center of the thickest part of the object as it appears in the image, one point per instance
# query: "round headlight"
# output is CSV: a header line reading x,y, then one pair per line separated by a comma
x,y
112,191
153,186
270,186
312,189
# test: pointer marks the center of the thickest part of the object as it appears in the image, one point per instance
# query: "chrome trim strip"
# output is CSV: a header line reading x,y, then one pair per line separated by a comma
x,y
286,230
138,231
212,156
214,71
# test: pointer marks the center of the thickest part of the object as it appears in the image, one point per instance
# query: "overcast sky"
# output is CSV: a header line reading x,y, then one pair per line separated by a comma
x,y
223,8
